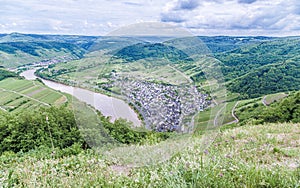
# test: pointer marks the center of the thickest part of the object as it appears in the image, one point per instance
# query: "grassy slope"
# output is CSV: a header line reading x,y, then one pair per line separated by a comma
x,y
249,156
203,117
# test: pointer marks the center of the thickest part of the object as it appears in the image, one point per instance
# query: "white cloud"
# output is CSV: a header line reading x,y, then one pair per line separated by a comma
x,y
253,17
99,17
89,17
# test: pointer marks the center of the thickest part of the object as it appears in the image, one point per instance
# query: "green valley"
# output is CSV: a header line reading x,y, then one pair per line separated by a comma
x,y
237,98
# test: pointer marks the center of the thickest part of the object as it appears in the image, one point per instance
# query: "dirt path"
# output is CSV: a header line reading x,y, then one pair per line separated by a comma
x,y
232,112
236,120
264,100
25,96
3,109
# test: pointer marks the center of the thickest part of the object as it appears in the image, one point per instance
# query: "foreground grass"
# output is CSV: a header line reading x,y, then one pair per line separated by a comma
x,y
249,156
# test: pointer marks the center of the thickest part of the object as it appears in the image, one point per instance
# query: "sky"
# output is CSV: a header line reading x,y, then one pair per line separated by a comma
x,y
200,17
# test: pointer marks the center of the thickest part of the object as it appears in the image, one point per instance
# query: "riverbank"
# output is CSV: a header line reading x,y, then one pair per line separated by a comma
x,y
108,106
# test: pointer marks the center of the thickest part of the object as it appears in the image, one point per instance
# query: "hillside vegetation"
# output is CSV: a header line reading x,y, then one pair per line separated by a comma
x,y
285,110
19,49
27,130
268,67
268,79
6,74
249,156
155,51
57,128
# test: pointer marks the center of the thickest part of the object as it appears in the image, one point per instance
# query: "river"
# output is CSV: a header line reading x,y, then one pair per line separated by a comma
x,y
108,106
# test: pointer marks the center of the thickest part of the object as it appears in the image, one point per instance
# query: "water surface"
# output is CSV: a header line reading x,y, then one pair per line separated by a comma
x,y
108,106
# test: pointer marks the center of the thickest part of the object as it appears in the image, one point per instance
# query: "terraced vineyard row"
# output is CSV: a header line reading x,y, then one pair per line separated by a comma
x,y
22,94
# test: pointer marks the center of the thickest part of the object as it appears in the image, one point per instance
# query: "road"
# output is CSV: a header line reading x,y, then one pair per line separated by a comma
x,y
236,120
264,101
232,112
2,109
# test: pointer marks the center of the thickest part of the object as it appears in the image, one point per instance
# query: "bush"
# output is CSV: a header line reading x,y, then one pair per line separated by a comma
x,y
26,130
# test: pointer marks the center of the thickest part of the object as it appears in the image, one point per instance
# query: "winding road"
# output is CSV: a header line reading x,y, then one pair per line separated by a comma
x,y
232,113
236,120
264,101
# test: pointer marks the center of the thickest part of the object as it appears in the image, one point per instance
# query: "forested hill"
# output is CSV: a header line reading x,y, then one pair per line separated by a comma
x,y
217,44
18,49
148,50
268,79
249,57
267,67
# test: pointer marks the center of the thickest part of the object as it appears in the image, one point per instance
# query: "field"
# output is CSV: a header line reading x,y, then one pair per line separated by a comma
x,y
249,156
19,94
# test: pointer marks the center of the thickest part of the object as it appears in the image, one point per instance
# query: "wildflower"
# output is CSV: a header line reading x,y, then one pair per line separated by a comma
x,y
213,158
206,152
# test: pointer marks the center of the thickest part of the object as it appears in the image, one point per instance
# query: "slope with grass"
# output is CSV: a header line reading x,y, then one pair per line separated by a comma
x,y
249,156
284,110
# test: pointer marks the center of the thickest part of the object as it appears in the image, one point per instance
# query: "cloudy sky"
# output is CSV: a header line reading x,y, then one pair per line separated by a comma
x,y
201,17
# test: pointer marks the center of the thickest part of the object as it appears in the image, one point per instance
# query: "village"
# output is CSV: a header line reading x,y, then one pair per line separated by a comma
x,y
45,62
164,107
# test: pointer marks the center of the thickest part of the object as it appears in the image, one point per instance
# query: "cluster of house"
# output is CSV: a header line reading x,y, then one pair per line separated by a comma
x,y
164,107
47,62
55,60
